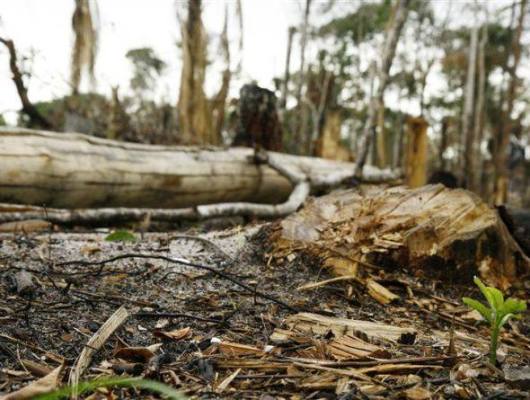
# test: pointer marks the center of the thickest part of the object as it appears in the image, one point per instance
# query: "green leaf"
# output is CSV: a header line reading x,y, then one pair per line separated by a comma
x,y
497,296
488,294
121,236
514,306
477,305
90,386
505,319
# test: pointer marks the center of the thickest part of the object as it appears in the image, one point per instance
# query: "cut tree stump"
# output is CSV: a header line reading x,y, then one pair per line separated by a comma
x,y
61,170
432,230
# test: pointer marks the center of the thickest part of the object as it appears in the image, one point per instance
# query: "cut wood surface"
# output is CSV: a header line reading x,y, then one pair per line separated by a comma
x,y
432,230
66,170
320,325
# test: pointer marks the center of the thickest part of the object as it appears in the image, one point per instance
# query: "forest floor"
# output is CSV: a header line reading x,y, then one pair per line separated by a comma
x,y
228,332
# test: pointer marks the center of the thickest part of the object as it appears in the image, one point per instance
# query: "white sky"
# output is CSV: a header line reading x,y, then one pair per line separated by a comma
x,y
41,30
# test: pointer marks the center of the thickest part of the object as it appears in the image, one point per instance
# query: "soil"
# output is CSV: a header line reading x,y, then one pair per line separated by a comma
x,y
67,304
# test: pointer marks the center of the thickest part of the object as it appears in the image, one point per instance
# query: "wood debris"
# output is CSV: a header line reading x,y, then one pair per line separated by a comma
x,y
431,230
321,325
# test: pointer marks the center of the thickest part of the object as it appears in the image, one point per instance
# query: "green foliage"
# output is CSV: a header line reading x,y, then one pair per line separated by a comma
x,y
121,236
147,66
498,312
2,120
90,386
361,25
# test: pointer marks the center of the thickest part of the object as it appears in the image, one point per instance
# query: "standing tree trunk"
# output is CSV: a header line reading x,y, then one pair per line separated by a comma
x,y
287,73
195,123
416,152
478,127
500,157
392,37
301,125
219,101
468,131
85,44
381,142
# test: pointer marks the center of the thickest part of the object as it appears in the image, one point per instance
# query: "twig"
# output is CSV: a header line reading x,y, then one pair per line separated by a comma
x,y
176,315
181,262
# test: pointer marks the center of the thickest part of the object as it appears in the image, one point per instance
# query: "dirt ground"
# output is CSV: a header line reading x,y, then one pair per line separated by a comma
x,y
209,336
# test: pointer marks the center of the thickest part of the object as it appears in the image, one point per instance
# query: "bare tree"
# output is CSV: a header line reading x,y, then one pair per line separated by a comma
x,y
287,73
468,133
503,139
302,117
85,44
195,124
389,49
36,119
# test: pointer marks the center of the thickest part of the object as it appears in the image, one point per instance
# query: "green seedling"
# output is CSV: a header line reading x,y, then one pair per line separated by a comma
x,y
90,386
121,236
498,312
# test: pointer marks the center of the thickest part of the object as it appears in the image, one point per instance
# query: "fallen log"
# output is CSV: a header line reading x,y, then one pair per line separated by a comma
x,y
432,230
66,170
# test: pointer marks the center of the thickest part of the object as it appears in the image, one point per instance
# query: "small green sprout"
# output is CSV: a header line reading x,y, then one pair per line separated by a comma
x,y
90,386
121,236
498,312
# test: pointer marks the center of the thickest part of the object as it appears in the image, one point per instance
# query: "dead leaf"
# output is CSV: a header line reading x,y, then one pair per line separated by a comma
x,y
138,354
41,386
177,334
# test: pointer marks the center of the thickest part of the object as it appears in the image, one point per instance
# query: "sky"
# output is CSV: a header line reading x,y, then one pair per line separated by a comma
x,y
42,31
43,36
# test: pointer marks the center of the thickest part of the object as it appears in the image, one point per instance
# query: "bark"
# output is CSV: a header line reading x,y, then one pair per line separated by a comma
x,y
79,171
36,119
389,50
195,123
500,157
468,132
287,73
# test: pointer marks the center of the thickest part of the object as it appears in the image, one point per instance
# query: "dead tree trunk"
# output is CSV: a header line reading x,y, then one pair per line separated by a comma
x,y
287,73
36,119
476,179
468,148
75,171
416,152
500,157
392,37
195,123
85,44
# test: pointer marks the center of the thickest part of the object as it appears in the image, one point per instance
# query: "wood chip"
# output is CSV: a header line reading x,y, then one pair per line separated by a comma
x,y
373,331
380,293
94,344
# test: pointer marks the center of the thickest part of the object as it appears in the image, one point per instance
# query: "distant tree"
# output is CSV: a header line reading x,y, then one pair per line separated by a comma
x,y
147,67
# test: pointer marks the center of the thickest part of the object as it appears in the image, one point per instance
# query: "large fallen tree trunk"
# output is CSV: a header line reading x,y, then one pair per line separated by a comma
x,y
62,170
431,230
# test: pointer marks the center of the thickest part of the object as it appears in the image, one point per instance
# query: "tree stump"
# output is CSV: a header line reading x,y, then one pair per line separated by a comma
x,y
259,125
